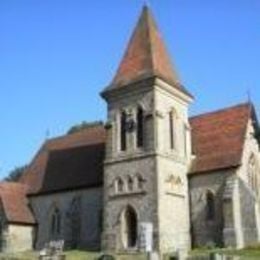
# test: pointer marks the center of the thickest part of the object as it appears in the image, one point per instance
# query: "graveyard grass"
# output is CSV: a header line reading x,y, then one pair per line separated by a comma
x,y
70,255
245,254
251,253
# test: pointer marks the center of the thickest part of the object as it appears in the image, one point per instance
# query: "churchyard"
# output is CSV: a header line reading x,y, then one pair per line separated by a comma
x,y
252,253
70,255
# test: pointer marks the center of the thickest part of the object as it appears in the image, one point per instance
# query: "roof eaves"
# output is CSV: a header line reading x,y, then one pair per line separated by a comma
x,y
210,171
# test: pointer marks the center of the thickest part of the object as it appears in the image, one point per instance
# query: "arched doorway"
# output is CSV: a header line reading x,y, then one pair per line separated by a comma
x,y
129,227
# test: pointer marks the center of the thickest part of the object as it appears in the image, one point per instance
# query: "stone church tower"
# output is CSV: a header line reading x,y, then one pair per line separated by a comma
x,y
138,171
148,150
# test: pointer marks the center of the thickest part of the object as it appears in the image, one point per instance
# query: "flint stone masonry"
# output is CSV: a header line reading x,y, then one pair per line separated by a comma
x,y
90,218
207,231
155,162
249,225
143,203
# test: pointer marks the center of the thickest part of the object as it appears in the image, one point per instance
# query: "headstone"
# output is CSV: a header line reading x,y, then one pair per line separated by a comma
x,y
53,251
146,236
154,256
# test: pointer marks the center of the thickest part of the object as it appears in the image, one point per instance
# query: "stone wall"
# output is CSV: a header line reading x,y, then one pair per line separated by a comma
x,y
15,237
246,202
240,214
232,236
3,228
251,147
248,216
159,165
235,222
19,238
207,232
80,217
172,168
173,205
142,200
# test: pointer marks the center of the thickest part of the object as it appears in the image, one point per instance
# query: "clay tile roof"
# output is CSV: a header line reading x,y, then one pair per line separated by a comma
x,y
218,138
81,152
146,56
76,160
74,168
15,203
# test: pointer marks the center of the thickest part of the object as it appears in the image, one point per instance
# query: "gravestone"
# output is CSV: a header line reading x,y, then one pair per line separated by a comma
x,y
53,251
146,237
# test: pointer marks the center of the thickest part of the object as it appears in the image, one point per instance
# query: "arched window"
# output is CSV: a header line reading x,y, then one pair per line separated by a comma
x,y
119,185
139,182
55,222
140,127
130,183
252,174
123,131
171,129
251,171
210,205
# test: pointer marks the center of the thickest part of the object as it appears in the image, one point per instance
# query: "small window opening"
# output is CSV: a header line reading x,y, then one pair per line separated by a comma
x,y
140,182
120,185
130,183
140,127
123,131
210,200
56,223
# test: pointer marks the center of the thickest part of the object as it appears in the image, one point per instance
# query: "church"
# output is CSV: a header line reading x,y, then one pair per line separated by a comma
x,y
195,180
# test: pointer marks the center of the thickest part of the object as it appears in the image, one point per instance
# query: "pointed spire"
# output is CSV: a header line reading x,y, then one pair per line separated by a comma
x,y
146,55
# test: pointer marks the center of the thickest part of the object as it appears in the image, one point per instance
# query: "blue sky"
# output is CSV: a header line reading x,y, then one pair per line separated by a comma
x,y
57,55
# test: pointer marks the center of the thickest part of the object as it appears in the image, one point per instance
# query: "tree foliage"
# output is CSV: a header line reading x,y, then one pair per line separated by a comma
x,y
83,125
15,174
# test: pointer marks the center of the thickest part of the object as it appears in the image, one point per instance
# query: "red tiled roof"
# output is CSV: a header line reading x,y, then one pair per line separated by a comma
x,y
15,203
76,160
146,56
218,138
90,141
74,168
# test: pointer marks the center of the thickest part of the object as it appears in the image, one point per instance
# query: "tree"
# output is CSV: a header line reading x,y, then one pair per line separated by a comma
x,y
83,125
15,174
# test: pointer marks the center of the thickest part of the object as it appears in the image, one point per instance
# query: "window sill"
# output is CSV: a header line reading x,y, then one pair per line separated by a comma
x,y
127,194
176,194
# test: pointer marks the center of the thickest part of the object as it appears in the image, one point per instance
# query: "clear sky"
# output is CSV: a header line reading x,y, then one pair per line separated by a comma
x,y
57,55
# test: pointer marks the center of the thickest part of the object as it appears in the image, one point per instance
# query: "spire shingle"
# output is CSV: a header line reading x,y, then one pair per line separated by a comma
x,y
145,56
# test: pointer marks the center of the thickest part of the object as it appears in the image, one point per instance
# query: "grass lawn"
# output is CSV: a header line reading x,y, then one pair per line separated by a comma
x,y
70,255
244,254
